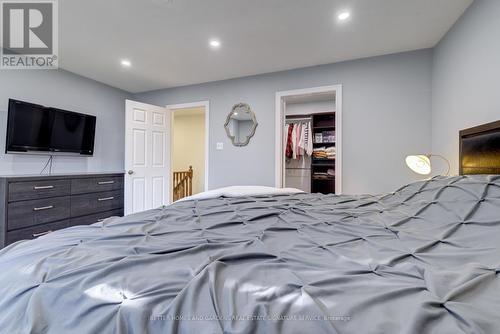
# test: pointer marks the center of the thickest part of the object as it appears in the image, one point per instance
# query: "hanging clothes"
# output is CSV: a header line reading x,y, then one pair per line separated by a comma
x,y
309,140
289,142
298,140
306,135
301,139
299,152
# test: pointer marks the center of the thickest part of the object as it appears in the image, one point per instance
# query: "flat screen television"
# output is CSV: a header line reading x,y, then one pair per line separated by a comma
x,y
37,129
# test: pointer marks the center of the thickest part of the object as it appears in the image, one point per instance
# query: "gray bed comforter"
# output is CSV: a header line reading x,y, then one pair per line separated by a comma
x,y
425,259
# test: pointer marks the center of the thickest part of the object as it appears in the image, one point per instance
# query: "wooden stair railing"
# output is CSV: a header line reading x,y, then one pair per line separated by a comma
x,y
183,184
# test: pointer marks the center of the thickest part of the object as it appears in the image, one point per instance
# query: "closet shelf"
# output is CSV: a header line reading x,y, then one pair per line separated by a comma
x,y
319,178
324,127
325,159
324,164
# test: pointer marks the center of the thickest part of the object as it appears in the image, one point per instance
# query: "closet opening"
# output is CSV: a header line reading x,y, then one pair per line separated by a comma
x,y
308,150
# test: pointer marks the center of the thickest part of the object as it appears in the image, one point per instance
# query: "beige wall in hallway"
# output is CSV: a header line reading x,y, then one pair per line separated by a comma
x,y
188,144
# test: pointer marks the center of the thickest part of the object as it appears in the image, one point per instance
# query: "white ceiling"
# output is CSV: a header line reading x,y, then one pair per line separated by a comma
x,y
167,40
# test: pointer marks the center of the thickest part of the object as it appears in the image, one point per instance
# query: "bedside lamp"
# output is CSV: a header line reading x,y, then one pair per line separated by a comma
x,y
421,164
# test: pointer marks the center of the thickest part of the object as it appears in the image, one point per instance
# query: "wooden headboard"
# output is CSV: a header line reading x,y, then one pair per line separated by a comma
x,y
480,149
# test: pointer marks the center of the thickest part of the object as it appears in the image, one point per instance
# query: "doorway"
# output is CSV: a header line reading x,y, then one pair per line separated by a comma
x,y
149,178
316,115
189,148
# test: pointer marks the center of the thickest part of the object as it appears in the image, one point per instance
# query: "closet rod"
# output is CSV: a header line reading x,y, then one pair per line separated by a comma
x,y
298,115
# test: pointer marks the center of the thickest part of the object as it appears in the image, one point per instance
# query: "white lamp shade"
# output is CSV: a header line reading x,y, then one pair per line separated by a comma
x,y
420,164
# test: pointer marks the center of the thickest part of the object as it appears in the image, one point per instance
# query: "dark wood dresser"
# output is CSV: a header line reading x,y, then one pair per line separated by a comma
x,y
32,206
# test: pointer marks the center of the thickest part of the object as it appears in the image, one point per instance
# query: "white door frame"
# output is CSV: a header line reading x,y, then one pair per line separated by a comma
x,y
279,161
206,105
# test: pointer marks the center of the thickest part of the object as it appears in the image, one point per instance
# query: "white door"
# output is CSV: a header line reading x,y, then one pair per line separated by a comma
x,y
147,156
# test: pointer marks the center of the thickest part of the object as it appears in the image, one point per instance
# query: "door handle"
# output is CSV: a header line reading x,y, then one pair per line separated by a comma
x,y
130,172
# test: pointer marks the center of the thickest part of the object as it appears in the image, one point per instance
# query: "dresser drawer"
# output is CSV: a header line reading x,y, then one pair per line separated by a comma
x,y
92,185
96,218
31,213
82,205
35,232
21,191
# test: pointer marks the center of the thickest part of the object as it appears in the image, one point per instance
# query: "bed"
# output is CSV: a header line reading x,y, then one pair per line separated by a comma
x,y
423,259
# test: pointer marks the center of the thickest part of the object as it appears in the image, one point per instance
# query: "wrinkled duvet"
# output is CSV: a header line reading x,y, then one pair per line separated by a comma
x,y
424,259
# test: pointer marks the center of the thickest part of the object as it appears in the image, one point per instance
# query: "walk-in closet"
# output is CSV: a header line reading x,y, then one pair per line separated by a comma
x,y
309,147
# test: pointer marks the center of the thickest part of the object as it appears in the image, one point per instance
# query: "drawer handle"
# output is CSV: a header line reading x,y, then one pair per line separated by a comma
x,y
43,187
105,182
43,208
106,199
36,235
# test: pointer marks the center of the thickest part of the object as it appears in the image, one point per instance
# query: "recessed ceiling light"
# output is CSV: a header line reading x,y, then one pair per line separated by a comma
x,y
214,43
343,15
126,63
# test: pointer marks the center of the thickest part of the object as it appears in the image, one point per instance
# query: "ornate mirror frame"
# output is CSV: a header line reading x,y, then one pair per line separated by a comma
x,y
252,130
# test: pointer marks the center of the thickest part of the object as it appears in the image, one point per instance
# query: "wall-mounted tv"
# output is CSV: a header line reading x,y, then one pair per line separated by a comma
x,y
32,128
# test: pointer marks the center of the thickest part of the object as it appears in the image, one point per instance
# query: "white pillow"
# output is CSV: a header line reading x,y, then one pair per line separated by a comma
x,y
239,191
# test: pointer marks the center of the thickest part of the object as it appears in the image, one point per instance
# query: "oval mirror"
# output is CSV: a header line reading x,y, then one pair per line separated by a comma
x,y
240,124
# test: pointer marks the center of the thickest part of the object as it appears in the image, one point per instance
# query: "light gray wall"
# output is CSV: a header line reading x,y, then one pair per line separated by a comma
x,y
61,89
387,115
466,77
